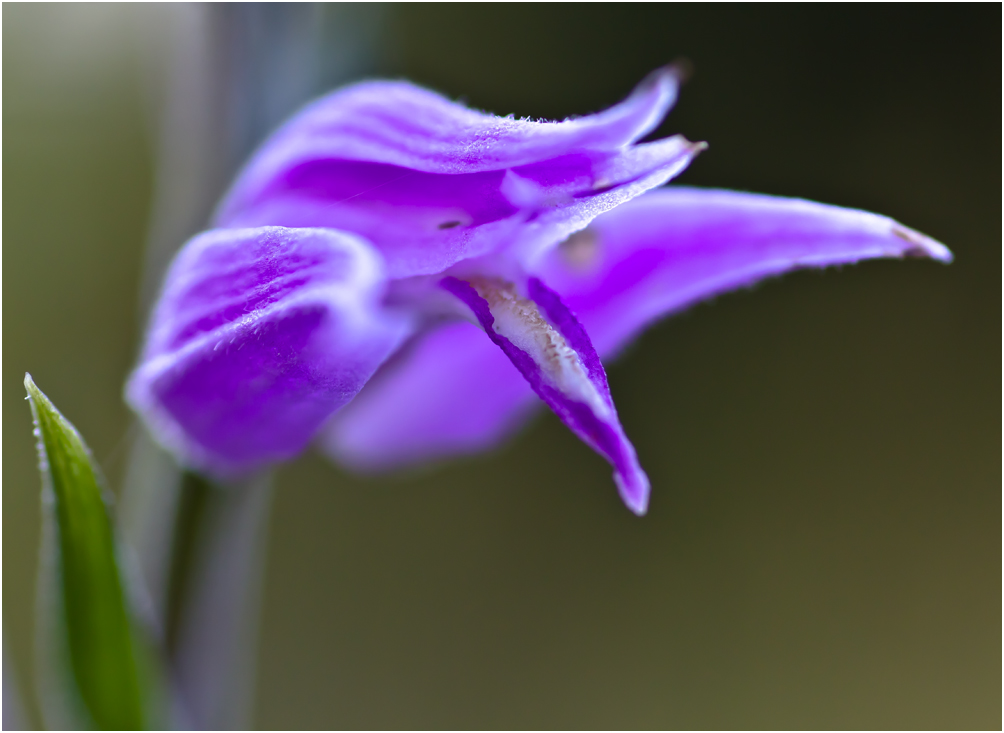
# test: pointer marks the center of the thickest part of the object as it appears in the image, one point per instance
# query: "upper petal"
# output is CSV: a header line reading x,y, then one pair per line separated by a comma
x,y
258,337
399,123
675,246
430,182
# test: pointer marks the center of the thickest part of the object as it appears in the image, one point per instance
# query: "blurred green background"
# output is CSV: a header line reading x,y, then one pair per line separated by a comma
x,y
823,545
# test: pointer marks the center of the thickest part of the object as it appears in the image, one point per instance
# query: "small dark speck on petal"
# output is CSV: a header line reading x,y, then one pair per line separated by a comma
x,y
917,240
449,224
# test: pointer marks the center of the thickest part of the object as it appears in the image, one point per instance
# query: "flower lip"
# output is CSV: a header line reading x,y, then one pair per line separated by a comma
x,y
549,347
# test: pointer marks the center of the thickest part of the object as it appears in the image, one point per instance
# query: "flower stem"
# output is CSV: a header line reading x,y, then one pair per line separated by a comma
x,y
215,604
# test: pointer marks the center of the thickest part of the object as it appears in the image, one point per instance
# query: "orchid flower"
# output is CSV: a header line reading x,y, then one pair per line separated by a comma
x,y
396,276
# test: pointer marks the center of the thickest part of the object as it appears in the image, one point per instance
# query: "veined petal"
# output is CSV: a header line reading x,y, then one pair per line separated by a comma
x,y
655,255
675,246
258,337
399,123
430,182
554,355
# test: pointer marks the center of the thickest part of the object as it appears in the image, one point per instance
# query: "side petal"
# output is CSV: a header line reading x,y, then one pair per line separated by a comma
x,y
554,355
658,254
430,182
675,246
258,337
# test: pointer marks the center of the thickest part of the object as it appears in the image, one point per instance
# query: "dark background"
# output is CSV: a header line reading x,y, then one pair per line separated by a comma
x,y
823,544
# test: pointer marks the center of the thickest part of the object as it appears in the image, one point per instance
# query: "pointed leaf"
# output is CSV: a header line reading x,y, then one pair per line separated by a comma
x,y
98,640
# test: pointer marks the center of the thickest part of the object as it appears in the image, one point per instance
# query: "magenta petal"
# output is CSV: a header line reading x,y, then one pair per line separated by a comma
x,y
561,366
657,254
398,123
452,392
430,182
258,337
675,246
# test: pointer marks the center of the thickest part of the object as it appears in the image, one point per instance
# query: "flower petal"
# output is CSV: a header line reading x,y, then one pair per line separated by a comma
x,y
675,246
452,391
657,254
399,123
552,352
430,182
258,337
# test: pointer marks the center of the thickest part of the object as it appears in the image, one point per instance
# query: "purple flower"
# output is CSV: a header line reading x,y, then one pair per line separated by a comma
x,y
397,275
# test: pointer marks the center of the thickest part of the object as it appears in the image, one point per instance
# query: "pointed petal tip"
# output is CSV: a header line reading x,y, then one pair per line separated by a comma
x,y
696,147
669,77
682,68
634,491
922,245
648,103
